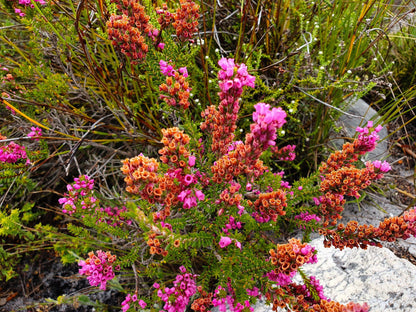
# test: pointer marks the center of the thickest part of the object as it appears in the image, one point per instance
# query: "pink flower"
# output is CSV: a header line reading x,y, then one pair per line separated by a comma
x,y
191,160
182,195
188,179
266,123
382,166
166,69
189,202
161,45
225,241
238,244
35,133
183,71
199,195
142,304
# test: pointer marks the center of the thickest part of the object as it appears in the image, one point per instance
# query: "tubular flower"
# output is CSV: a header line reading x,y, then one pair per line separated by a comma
x,y
269,206
175,149
176,86
98,268
177,297
340,177
289,257
354,235
184,20
222,122
128,31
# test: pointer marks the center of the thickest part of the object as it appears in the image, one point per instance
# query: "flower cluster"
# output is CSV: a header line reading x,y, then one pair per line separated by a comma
x,y
27,3
128,31
176,86
221,123
285,153
340,177
269,206
142,179
176,185
175,152
230,197
266,122
98,268
125,305
225,241
354,235
79,194
222,299
244,158
202,303
155,245
112,216
300,299
307,217
165,18
367,138
12,153
35,133
177,297
289,257
184,20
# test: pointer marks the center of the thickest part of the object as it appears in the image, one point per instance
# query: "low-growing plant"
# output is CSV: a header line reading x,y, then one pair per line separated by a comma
x,y
15,203
216,220
207,225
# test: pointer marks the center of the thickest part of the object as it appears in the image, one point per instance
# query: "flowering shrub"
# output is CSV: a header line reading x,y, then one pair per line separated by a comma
x,y
206,224
98,268
26,3
13,152
194,215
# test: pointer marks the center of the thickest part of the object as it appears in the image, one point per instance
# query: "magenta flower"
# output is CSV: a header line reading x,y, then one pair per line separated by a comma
x,y
266,123
166,69
12,152
188,179
142,304
182,195
98,268
367,138
199,195
191,161
35,133
225,241
183,71
382,166
189,202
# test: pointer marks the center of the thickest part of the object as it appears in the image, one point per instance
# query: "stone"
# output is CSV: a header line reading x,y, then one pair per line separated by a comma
x,y
376,276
